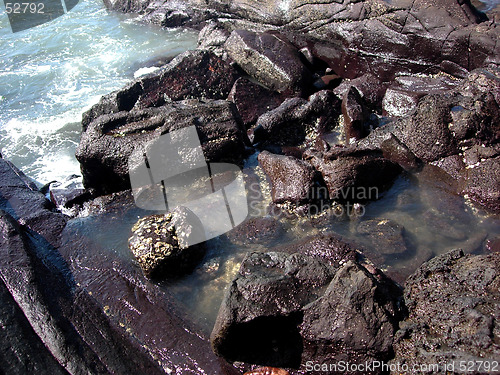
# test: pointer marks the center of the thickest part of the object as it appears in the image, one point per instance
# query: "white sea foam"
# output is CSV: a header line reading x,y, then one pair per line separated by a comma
x,y
51,74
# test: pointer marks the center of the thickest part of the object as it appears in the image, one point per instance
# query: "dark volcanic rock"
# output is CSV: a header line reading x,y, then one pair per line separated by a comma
x,y
277,312
355,319
108,142
259,316
297,120
426,132
453,303
270,59
355,115
22,351
198,74
386,236
356,176
369,86
291,178
404,94
482,183
252,100
259,230
168,245
396,151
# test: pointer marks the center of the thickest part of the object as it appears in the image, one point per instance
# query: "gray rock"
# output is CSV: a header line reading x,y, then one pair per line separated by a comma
x,y
168,245
270,59
453,312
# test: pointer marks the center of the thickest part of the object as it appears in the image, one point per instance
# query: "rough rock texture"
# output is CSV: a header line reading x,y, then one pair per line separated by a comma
x,y
71,305
483,183
252,100
453,302
270,59
355,115
161,243
297,119
260,230
404,93
267,371
198,74
108,141
356,176
362,325
354,37
291,178
276,312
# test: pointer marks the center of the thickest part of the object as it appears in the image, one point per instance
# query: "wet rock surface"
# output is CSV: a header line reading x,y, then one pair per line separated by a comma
x,y
252,100
386,236
265,231
109,140
277,311
291,178
297,119
164,244
71,306
453,303
356,176
193,74
270,59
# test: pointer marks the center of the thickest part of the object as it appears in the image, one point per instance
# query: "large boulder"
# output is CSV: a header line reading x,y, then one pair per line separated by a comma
x,y
454,313
252,100
277,311
355,176
198,74
110,140
270,59
354,37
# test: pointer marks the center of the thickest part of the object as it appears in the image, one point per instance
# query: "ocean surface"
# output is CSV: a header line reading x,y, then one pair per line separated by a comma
x,y
52,73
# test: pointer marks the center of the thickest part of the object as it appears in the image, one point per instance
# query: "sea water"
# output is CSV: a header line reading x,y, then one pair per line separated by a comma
x,y
52,73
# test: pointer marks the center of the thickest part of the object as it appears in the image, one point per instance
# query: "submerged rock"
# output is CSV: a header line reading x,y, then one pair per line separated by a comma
x,y
453,303
258,230
168,245
385,236
267,371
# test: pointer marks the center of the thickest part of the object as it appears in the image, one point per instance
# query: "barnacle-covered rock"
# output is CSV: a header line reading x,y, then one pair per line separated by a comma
x,y
169,244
